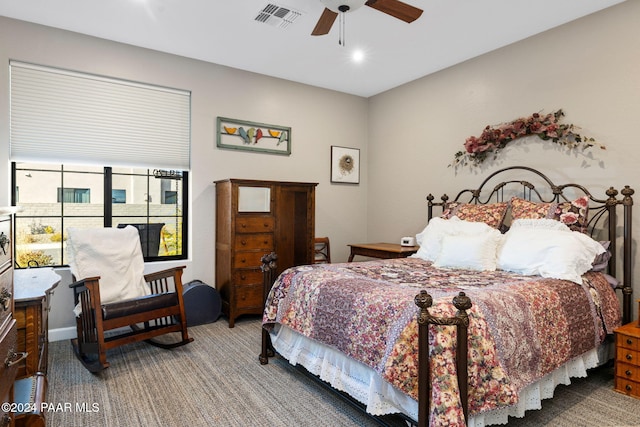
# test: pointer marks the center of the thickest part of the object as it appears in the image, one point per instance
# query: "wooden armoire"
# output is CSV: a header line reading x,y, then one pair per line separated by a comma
x,y
254,218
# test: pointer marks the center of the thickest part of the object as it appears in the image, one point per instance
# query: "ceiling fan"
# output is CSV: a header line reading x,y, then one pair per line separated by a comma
x,y
395,8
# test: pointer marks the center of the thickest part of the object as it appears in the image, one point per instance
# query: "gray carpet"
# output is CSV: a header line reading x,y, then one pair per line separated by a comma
x,y
218,381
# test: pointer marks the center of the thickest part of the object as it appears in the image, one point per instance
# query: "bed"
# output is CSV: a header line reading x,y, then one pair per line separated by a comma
x,y
534,268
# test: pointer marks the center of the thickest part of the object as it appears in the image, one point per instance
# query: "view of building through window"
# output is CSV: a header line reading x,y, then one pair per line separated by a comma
x,y
56,197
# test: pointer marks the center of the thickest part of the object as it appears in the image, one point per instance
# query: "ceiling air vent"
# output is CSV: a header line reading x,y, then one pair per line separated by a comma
x,y
277,16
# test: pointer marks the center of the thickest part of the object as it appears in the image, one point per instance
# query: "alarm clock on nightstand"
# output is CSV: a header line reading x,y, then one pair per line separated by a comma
x,y
408,241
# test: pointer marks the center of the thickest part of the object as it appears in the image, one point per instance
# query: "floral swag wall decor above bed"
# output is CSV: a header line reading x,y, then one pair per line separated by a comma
x,y
545,126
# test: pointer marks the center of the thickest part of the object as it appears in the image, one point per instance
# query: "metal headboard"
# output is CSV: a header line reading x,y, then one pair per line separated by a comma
x,y
603,213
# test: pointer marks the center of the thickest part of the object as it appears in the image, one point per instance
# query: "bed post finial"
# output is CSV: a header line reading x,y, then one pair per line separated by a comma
x,y
627,192
268,262
430,207
424,301
462,302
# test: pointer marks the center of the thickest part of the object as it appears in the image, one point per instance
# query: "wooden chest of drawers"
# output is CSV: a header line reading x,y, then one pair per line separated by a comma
x,y
9,357
628,359
254,218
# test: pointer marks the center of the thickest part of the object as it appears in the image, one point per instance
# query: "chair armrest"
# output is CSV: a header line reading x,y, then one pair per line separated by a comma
x,y
169,272
83,282
158,281
82,287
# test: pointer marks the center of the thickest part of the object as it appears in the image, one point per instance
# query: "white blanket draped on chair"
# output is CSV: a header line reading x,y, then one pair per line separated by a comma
x,y
113,254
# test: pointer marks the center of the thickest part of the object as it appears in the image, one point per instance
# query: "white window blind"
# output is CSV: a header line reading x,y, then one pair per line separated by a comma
x,y
69,117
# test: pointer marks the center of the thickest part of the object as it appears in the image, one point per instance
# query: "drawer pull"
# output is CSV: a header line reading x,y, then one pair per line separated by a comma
x,y
628,387
5,299
243,277
243,225
243,242
13,358
628,372
629,341
266,224
629,356
243,260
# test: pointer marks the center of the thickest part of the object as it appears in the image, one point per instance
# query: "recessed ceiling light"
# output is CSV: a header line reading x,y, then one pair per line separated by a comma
x,y
357,55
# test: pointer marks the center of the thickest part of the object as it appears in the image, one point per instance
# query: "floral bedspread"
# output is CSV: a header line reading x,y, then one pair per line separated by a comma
x,y
521,327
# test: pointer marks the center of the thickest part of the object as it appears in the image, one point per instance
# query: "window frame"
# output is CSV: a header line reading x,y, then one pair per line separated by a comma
x,y
108,217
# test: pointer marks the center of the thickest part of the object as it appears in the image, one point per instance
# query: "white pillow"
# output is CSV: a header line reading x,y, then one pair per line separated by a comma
x,y
473,252
540,247
430,239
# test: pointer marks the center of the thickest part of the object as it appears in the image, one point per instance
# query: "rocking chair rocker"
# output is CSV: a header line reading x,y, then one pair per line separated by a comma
x,y
115,303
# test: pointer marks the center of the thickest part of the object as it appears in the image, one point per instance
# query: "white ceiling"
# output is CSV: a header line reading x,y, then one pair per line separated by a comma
x,y
225,32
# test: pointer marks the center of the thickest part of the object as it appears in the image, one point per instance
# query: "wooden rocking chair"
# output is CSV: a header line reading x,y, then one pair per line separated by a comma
x,y
115,303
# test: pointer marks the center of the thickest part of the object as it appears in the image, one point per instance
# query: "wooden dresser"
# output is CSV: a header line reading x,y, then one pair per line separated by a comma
x,y
8,335
628,359
33,290
254,218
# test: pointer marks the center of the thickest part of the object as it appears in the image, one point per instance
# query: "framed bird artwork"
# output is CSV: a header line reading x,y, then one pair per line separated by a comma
x,y
252,136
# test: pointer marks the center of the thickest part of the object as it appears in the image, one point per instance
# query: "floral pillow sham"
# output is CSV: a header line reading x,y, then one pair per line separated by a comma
x,y
574,214
491,214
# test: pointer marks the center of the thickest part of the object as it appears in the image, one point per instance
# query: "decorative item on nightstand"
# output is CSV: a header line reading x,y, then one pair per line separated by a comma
x,y
408,241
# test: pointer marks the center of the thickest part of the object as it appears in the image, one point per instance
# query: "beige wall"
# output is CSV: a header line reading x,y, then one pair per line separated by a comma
x,y
407,136
589,67
319,118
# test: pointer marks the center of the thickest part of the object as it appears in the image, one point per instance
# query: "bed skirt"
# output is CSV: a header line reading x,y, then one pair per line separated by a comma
x,y
380,398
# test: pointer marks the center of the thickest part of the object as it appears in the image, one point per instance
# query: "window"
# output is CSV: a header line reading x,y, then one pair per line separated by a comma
x,y
170,197
74,195
52,201
65,116
133,142
119,196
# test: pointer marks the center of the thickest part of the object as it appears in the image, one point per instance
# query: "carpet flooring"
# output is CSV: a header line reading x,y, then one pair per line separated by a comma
x,y
217,381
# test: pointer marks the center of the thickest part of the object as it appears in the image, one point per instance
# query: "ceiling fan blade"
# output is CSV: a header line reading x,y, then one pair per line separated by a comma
x,y
325,22
397,9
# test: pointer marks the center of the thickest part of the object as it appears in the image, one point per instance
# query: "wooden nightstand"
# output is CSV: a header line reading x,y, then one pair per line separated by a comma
x,y
628,359
382,250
